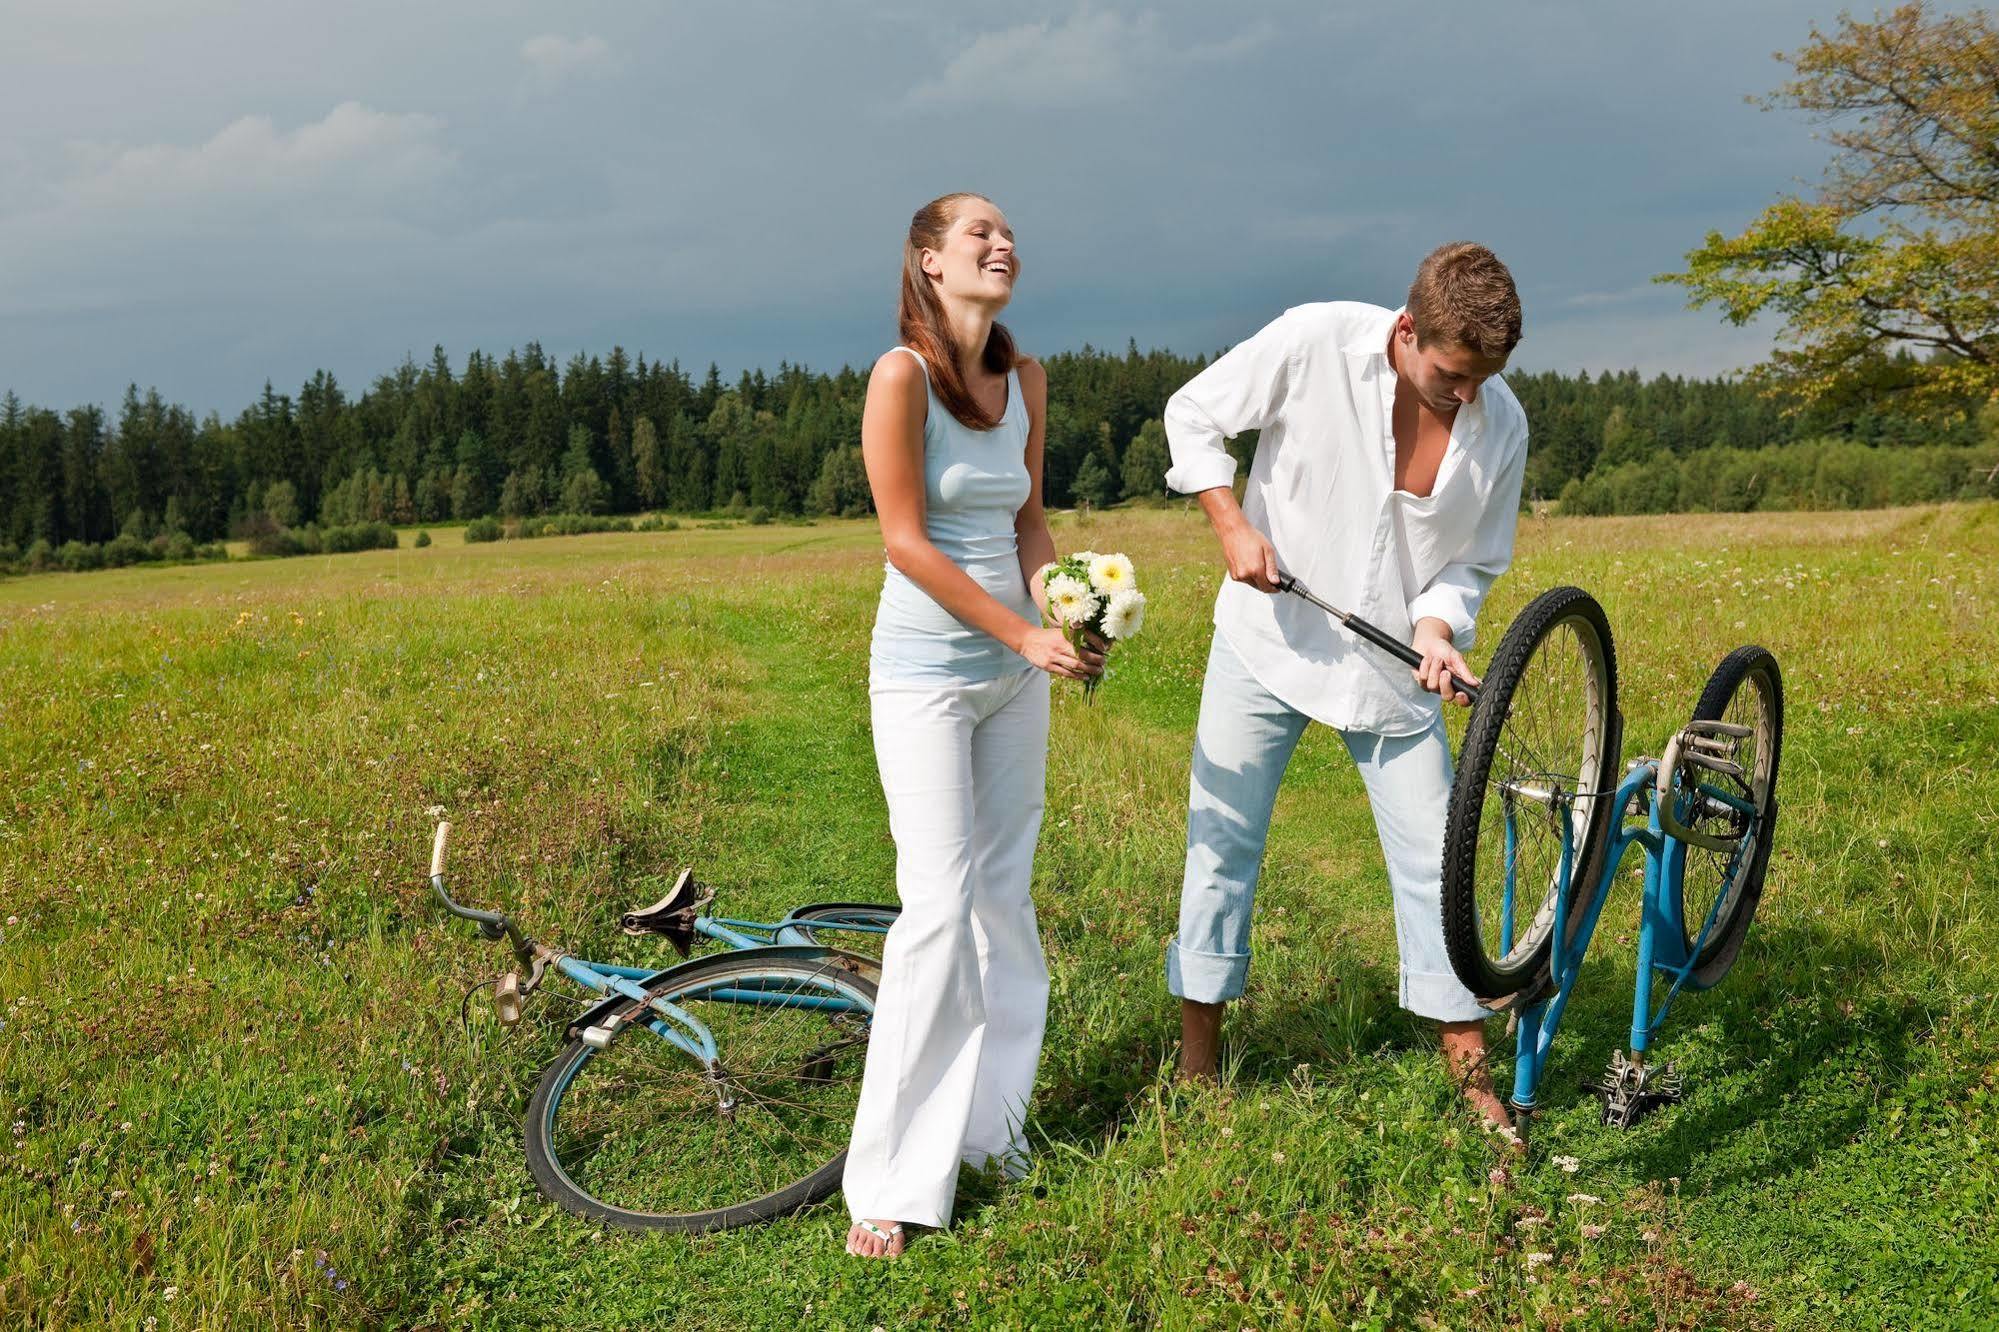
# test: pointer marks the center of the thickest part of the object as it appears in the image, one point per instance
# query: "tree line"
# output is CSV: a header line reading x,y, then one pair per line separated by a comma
x,y
517,436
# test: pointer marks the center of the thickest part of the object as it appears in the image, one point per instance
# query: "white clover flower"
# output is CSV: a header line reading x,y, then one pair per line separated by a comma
x,y
1125,615
1110,574
1568,1164
1537,1259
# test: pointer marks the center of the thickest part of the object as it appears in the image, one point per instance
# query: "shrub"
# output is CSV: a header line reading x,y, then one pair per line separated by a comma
x,y
125,549
40,556
759,516
422,540
77,556
483,529
177,546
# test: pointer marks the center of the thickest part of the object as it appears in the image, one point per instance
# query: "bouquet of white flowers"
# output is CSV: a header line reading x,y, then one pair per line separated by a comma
x,y
1093,593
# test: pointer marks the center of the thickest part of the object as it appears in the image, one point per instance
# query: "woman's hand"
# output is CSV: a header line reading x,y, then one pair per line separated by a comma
x,y
1050,650
1442,664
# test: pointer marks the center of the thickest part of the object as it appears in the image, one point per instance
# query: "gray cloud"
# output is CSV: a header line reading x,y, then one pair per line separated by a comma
x,y
207,195
1093,56
554,57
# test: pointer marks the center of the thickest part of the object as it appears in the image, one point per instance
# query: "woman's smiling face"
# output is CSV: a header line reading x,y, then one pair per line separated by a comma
x,y
977,263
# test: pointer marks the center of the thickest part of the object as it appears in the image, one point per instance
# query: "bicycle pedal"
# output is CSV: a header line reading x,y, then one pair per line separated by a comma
x,y
507,998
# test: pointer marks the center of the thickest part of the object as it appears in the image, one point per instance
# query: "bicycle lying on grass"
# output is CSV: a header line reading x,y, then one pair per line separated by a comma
x,y
719,1092
1539,823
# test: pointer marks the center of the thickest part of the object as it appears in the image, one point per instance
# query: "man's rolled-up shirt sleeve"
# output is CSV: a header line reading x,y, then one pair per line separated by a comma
x,y
1242,390
1457,591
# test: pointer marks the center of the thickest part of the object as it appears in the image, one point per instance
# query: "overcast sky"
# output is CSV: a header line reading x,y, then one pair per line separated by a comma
x,y
201,196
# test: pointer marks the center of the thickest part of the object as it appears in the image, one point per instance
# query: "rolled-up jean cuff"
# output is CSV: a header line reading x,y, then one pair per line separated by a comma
x,y
1441,997
1205,978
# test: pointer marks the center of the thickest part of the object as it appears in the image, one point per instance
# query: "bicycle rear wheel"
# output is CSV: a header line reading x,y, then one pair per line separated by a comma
x,y
1748,690
643,1135
1535,784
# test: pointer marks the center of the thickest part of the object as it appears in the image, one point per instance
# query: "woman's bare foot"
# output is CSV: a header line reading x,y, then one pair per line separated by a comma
x,y
1464,1056
876,1239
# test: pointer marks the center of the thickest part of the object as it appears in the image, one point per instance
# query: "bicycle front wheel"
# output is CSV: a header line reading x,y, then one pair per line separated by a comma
x,y
644,1134
857,927
1535,784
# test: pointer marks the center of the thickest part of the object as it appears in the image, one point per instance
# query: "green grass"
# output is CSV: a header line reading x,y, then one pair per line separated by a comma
x,y
231,1058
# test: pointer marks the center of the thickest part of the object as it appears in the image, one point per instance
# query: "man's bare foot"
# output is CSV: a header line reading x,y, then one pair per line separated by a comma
x,y
1200,1040
876,1239
1465,1057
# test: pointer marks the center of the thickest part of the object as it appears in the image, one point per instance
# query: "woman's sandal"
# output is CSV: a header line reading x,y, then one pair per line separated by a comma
x,y
887,1237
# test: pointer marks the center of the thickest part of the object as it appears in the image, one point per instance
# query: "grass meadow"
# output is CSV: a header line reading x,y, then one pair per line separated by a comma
x,y
236,1092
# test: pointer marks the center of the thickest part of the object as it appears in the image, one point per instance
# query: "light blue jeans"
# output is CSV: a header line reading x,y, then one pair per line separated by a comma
x,y
1243,743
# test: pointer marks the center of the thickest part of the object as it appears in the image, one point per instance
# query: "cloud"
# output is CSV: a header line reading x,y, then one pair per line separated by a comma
x,y
554,57
1093,57
354,148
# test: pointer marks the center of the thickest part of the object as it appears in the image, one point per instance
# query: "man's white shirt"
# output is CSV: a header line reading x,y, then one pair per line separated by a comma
x,y
1316,383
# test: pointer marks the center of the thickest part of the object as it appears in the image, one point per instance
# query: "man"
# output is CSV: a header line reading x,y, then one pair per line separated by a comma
x,y
1387,480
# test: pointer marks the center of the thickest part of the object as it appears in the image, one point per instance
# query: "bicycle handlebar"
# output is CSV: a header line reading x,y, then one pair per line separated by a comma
x,y
491,924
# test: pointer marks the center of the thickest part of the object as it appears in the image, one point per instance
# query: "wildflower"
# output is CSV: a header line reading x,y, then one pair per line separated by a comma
x,y
1569,1164
1591,1232
1227,1132
1584,1199
1650,1236
170,1294
1537,1259
1069,601
1110,574
1277,1157
1125,615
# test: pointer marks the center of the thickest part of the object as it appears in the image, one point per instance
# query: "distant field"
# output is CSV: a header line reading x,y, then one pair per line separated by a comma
x,y
237,1095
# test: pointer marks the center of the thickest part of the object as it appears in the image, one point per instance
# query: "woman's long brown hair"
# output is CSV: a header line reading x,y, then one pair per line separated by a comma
x,y
920,317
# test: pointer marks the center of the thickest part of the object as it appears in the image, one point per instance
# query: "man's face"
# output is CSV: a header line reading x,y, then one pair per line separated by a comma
x,y
1445,375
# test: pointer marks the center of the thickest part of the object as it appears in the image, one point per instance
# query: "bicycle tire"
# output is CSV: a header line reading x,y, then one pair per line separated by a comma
x,y
832,917
671,1151
1756,668
1586,740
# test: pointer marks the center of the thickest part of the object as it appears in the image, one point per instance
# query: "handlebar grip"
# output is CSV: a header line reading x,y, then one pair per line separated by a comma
x,y
437,849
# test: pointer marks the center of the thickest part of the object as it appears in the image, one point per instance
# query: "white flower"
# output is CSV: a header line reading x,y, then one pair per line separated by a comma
x,y
1069,601
1569,1164
1584,1199
1537,1259
1125,616
1112,573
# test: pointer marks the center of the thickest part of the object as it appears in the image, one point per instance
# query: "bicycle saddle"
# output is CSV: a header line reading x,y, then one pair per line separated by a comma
x,y
672,916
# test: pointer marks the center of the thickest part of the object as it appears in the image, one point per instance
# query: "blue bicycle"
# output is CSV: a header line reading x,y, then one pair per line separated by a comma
x,y
1540,821
715,1093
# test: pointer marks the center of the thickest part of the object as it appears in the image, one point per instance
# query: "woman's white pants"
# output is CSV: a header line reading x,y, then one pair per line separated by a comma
x,y
957,1029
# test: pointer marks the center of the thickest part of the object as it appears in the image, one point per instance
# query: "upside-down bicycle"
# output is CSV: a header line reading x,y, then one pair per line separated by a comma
x,y
1539,823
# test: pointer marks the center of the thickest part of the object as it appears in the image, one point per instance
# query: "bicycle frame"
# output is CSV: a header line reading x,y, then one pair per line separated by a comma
x,y
1662,931
620,984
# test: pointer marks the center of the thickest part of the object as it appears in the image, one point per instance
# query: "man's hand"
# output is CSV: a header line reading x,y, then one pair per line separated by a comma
x,y
1442,666
1247,552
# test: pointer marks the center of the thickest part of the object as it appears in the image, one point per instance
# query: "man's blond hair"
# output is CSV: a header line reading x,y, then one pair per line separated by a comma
x,y
1463,294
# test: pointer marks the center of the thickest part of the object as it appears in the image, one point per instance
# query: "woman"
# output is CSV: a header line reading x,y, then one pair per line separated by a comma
x,y
952,436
